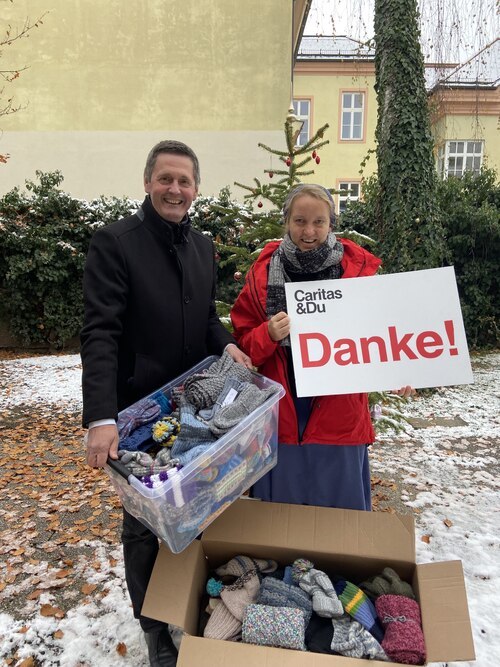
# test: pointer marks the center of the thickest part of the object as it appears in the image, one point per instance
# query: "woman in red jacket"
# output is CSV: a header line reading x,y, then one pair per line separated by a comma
x,y
323,440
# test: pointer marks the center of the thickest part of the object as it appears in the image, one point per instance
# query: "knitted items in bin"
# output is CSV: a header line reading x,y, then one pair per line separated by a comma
x,y
241,564
232,387
387,583
191,516
139,440
404,639
352,640
274,626
357,605
165,431
318,585
194,436
248,400
230,477
202,389
227,617
137,414
142,463
276,593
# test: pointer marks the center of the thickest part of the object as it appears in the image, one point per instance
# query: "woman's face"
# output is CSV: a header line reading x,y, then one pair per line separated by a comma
x,y
309,222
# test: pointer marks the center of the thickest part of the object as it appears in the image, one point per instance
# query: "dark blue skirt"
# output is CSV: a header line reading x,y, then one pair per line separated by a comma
x,y
324,475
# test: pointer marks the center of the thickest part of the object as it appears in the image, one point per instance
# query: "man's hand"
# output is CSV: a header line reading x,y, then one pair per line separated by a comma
x,y
279,326
101,441
238,355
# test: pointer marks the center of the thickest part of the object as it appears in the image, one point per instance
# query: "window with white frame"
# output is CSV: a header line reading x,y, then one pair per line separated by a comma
x,y
348,191
456,157
301,109
353,106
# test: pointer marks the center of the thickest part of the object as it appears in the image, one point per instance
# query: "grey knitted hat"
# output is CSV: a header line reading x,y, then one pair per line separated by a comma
x,y
352,640
241,564
202,389
248,400
317,584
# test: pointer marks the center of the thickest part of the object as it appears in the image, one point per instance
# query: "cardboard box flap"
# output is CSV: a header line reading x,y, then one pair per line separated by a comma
x,y
176,585
194,652
446,622
378,535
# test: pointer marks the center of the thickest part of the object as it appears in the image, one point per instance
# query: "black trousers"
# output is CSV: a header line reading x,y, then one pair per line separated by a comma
x,y
140,547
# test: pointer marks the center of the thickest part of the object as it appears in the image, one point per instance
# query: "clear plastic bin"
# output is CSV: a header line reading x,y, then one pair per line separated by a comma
x,y
183,507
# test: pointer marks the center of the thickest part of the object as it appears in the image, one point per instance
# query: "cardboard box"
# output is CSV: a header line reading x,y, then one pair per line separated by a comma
x,y
213,480
352,543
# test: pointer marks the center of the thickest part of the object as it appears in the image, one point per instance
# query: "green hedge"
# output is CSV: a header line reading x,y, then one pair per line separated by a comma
x,y
44,236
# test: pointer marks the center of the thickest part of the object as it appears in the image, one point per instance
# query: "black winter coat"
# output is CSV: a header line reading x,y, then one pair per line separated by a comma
x,y
149,295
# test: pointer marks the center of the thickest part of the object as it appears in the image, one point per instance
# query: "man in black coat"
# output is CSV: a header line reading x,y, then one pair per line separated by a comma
x,y
149,294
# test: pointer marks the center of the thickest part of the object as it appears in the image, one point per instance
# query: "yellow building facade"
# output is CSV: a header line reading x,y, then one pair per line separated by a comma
x,y
107,80
334,81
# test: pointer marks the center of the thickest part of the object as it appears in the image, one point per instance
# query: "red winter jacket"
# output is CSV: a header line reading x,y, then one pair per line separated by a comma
x,y
339,420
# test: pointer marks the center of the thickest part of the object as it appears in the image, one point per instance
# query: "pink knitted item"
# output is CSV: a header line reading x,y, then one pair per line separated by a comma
x,y
403,640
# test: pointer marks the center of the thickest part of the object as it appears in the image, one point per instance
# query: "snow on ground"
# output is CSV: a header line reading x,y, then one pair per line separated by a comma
x,y
447,473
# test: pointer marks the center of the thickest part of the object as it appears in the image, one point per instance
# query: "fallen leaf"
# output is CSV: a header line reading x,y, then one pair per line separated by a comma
x,y
426,538
121,649
49,610
87,589
448,523
58,634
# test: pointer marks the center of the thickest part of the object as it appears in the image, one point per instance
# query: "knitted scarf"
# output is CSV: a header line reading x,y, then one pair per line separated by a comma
x,y
322,263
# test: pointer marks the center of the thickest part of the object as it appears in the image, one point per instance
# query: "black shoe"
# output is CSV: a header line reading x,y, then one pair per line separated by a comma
x,y
161,649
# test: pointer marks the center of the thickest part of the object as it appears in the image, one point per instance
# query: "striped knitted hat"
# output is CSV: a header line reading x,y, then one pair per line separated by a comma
x,y
359,606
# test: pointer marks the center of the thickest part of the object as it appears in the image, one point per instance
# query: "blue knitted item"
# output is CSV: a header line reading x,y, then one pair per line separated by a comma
x,y
137,414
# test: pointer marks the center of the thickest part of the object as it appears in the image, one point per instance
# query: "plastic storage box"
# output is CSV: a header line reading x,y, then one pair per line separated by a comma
x,y
184,506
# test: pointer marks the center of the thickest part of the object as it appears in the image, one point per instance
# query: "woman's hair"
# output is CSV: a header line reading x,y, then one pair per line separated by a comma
x,y
313,190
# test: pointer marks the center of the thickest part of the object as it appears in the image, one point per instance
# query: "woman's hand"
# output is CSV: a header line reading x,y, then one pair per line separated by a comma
x,y
279,326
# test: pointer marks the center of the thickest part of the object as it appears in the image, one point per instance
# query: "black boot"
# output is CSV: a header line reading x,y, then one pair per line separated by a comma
x,y
161,649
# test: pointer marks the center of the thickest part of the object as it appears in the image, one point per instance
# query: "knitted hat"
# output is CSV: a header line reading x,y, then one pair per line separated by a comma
x,y
232,387
241,564
404,639
318,585
165,431
357,605
202,389
387,583
228,615
276,593
248,400
352,640
193,438
142,412
274,626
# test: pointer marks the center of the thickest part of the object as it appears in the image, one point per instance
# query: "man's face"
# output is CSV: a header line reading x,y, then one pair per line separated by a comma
x,y
172,186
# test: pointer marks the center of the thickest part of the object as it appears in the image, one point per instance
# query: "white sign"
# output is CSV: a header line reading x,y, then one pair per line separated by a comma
x,y
377,333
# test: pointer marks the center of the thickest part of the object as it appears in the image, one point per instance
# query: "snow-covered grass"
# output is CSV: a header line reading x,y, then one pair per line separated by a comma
x,y
448,473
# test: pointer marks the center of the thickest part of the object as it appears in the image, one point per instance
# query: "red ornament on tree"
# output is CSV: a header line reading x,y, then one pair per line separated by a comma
x,y
217,257
237,275
288,162
260,204
314,154
318,159
271,174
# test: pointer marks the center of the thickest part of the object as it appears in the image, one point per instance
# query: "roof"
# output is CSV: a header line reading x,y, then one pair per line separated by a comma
x,y
322,47
482,70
